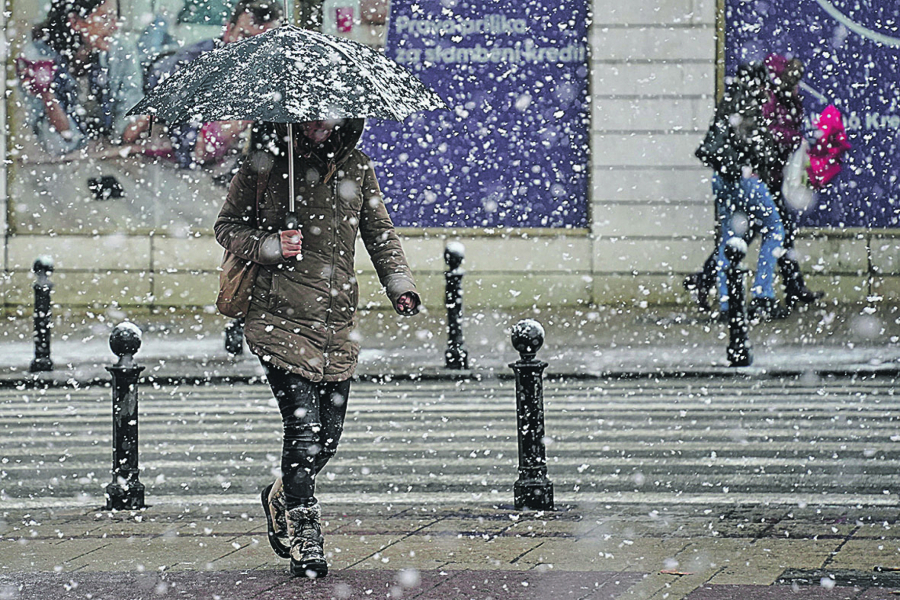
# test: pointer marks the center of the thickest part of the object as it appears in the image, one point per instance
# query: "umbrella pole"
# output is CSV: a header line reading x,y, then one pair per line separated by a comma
x,y
290,145
290,220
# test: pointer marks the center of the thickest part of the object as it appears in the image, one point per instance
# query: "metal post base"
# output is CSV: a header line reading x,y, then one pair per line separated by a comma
x,y
535,494
128,498
456,358
739,355
41,365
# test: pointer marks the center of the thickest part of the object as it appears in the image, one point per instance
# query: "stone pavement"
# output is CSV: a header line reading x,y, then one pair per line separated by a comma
x,y
194,550
590,342
660,546
666,489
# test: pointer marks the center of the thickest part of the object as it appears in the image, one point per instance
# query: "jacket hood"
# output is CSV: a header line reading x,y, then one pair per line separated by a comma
x,y
339,144
269,139
334,150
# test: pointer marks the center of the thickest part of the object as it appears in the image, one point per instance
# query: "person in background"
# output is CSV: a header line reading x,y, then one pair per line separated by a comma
x,y
302,316
782,115
195,144
740,150
78,79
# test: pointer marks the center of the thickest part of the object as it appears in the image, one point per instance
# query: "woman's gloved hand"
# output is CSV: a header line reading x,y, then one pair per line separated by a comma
x,y
408,303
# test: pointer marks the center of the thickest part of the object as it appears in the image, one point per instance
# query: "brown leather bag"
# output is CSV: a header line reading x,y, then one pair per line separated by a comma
x,y
237,275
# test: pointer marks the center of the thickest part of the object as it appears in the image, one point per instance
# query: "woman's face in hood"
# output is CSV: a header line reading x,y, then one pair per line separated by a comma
x,y
319,131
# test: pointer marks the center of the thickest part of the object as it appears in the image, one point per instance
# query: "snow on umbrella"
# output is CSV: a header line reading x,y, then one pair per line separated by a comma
x,y
289,75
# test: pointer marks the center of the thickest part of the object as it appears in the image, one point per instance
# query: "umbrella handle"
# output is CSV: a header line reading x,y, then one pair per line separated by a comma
x,y
291,223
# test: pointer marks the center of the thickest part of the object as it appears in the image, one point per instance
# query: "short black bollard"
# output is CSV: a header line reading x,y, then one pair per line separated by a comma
x,y
456,356
126,492
739,351
234,337
43,266
532,489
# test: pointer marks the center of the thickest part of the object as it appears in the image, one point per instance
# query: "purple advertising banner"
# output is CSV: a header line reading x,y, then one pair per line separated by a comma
x,y
851,51
512,151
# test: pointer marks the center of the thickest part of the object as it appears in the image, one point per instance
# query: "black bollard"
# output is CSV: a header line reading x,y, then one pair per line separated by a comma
x,y
739,351
43,266
532,489
234,337
126,492
456,356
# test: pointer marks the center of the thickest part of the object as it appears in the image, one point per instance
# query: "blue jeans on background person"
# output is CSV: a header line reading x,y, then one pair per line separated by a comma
x,y
739,204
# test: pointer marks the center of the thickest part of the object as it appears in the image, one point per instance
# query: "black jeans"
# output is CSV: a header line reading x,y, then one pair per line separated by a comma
x,y
313,418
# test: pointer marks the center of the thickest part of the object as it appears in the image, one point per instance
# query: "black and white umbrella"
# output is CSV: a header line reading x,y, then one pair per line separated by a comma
x,y
289,75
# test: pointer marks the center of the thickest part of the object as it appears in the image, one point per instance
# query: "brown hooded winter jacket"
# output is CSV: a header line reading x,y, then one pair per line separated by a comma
x,y
302,313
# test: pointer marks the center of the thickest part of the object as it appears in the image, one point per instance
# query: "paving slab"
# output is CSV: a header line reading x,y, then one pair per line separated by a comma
x,y
879,594
526,585
357,550
442,546
664,585
432,551
140,586
613,554
265,584
775,592
867,555
879,529
761,562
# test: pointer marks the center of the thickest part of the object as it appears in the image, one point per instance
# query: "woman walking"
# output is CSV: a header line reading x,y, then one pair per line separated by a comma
x,y
304,302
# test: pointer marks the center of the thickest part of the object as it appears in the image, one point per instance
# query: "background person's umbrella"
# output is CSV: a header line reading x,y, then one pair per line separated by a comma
x,y
289,75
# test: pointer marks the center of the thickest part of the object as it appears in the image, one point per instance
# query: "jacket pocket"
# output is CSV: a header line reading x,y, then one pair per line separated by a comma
x,y
354,295
297,301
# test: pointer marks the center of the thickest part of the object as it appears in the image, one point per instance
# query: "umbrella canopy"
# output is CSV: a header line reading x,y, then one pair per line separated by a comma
x,y
289,75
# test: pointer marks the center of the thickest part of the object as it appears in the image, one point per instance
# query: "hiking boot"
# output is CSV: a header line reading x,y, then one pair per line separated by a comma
x,y
307,551
795,290
276,522
766,309
802,295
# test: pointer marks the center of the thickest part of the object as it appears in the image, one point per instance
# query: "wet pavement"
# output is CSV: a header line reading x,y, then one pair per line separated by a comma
x,y
438,552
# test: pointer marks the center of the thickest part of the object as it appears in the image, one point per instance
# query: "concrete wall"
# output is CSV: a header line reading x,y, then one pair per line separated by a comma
x,y
652,92
4,45
653,84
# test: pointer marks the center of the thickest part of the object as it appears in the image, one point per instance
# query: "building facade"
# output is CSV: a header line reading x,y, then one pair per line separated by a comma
x,y
654,68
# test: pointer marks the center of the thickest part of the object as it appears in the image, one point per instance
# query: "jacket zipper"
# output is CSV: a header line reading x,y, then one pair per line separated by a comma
x,y
334,229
